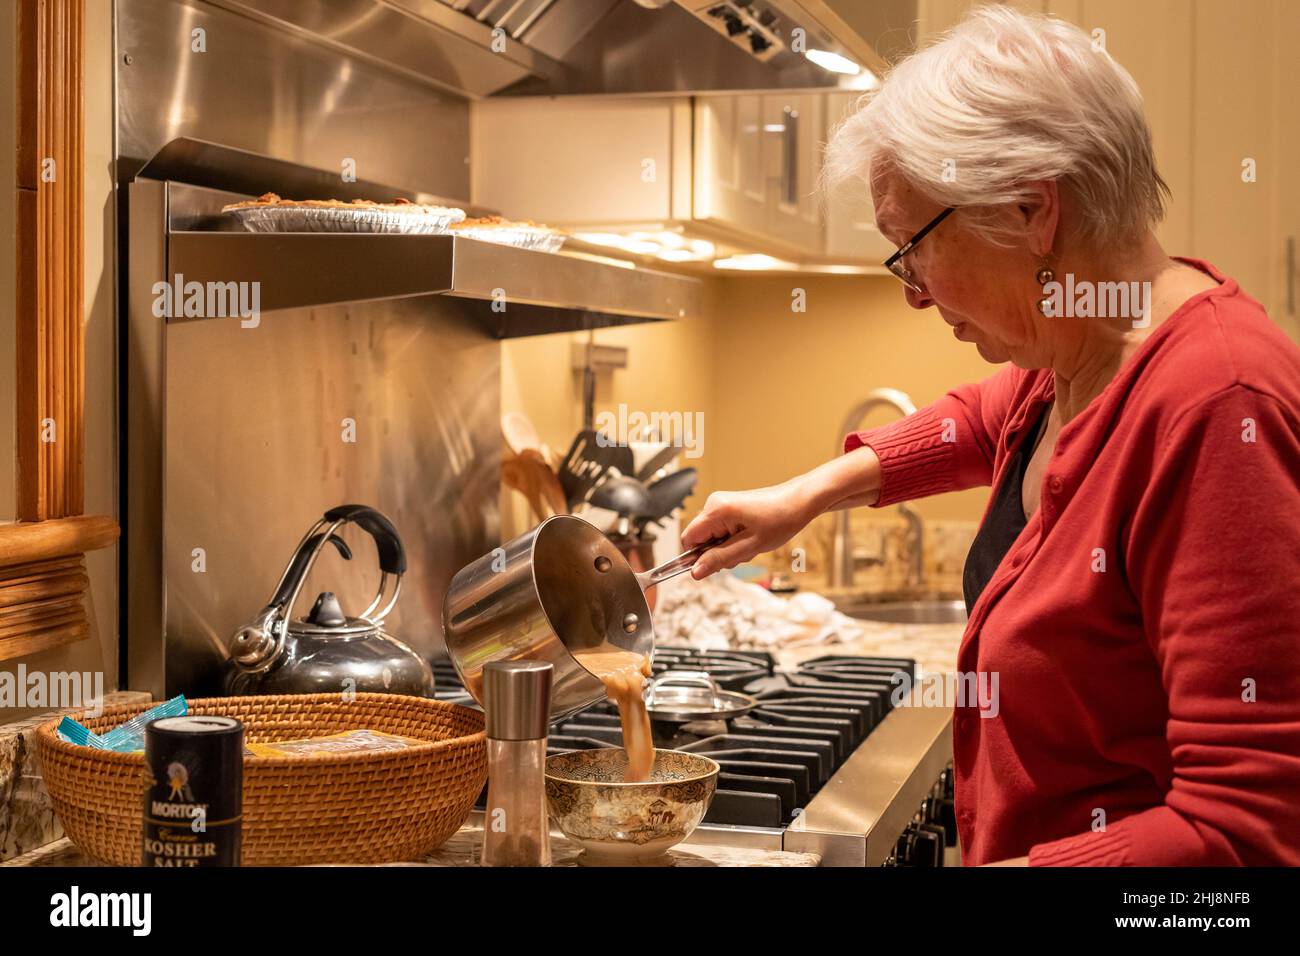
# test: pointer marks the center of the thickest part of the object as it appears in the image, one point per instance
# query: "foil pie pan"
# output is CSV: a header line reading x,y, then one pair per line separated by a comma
x,y
538,240
412,220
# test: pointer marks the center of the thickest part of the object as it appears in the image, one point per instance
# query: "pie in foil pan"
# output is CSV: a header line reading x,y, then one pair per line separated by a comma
x,y
522,235
270,213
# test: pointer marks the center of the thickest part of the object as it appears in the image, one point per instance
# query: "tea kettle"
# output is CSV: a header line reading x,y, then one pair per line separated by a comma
x,y
327,651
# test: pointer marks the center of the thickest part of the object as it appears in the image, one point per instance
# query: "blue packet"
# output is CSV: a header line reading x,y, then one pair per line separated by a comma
x,y
129,736
75,733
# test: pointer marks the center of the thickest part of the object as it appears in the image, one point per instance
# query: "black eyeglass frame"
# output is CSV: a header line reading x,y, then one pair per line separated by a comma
x,y
894,262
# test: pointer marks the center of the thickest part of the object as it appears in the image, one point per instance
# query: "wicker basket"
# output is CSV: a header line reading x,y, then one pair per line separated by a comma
x,y
379,807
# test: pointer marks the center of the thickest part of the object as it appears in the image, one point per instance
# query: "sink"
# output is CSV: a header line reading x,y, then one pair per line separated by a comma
x,y
907,612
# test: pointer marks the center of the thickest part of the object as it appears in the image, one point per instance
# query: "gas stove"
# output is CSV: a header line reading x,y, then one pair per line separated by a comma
x,y
821,764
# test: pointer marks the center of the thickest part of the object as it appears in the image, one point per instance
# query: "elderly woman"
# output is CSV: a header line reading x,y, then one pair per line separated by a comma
x,y
1135,582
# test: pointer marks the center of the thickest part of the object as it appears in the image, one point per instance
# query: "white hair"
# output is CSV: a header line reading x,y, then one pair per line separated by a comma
x,y
1002,100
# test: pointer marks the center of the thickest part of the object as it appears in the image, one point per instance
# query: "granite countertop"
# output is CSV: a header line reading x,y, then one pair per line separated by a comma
x,y
464,847
27,819
932,646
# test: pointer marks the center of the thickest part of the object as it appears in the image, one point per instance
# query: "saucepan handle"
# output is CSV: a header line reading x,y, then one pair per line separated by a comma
x,y
671,568
681,679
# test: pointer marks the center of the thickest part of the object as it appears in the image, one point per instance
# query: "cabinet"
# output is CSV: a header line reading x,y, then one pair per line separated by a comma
x,y
851,234
580,159
744,167
794,128
757,161
1285,228
730,177
1243,97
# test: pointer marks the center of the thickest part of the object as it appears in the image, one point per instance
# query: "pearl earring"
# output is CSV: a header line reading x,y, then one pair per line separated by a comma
x,y
1045,275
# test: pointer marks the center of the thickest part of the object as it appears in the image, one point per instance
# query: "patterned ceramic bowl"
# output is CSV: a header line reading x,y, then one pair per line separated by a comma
x,y
628,822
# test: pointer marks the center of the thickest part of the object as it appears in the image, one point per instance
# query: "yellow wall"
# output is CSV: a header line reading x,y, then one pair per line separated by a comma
x,y
671,367
785,380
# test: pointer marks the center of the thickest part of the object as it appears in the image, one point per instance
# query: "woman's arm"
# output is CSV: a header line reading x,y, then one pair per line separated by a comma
x,y
763,519
946,446
848,481
950,445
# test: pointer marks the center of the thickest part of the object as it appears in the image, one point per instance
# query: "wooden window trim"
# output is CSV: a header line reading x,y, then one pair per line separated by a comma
x,y
42,569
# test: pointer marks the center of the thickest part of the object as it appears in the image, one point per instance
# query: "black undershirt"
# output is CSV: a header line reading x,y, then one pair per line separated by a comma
x,y
1004,522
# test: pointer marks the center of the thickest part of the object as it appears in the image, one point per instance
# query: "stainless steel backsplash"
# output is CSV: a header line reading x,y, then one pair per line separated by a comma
x,y
255,452
232,438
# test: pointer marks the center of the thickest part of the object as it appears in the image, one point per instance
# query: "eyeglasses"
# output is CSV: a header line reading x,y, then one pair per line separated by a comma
x,y
895,262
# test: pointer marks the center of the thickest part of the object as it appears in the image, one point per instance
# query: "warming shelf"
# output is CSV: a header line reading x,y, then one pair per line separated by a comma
x,y
561,291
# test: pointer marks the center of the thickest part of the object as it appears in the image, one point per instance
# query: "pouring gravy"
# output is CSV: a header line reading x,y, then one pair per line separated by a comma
x,y
623,673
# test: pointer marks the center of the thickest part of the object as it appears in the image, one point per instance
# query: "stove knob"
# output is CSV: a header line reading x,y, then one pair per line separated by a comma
x,y
928,845
928,810
904,848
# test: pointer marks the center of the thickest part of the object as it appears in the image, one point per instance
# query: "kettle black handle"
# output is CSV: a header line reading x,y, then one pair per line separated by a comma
x,y
260,643
392,556
297,569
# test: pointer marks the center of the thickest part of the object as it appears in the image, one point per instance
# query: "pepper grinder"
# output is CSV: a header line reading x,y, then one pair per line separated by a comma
x,y
517,704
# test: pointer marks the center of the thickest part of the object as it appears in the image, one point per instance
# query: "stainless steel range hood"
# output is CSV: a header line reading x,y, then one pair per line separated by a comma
x,y
531,47
426,40
873,33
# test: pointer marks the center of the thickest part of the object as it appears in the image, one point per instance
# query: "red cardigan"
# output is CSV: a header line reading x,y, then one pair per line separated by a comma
x,y
1145,626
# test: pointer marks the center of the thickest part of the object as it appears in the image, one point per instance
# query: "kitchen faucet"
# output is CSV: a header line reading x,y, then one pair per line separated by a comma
x,y
842,557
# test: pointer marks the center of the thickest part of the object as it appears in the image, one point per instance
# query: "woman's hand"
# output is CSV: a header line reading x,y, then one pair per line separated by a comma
x,y
766,518
753,522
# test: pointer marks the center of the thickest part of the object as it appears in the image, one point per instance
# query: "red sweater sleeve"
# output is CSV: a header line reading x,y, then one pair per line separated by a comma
x,y
946,446
1212,555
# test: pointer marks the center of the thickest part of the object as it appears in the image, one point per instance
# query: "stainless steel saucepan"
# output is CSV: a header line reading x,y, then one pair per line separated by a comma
x,y
561,588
